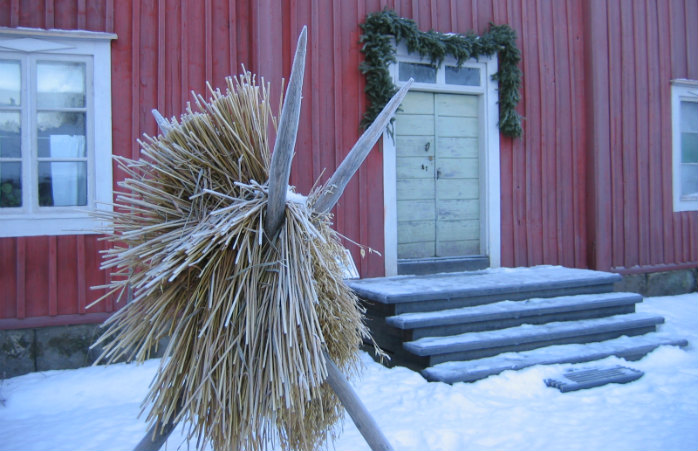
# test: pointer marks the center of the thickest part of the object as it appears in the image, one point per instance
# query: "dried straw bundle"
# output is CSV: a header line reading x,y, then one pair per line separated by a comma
x,y
248,317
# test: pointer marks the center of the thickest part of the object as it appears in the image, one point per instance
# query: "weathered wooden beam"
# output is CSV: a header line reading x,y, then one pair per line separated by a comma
x,y
163,123
280,169
156,436
363,420
356,156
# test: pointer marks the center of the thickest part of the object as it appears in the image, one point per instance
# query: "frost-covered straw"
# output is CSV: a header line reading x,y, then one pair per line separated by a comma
x,y
257,313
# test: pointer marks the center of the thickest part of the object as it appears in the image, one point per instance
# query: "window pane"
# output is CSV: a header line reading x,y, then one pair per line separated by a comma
x,y
11,184
689,179
61,135
9,135
9,83
689,116
689,147
422,73
60,84
465,76
62,184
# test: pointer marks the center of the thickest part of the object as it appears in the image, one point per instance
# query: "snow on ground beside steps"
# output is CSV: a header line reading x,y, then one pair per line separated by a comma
x,y
97,408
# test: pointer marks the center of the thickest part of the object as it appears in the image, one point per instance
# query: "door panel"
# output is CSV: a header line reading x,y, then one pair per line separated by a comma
x,y
438,170
457,189
458,147
459,127
415,146
418,103
454,209
423,189
409,168
415,124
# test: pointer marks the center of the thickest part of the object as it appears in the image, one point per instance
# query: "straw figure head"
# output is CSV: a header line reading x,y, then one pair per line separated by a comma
x,y
251,302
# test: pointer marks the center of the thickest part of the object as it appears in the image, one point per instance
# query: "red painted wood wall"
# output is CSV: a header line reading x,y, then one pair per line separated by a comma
x,y
588,184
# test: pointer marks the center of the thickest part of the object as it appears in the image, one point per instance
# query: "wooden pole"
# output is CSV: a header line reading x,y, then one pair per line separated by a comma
x,y
358,153
280,169
361,417
157,435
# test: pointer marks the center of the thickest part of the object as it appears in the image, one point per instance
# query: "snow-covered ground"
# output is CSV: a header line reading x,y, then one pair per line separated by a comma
x,y
97,408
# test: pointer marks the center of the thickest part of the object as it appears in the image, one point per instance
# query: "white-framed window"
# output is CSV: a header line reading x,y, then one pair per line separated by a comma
x,y
684,119
55,131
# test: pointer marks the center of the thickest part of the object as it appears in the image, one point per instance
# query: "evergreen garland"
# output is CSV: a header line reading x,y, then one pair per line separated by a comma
x,y
379,30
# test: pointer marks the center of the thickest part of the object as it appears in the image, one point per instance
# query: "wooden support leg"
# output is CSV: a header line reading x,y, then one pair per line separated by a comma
x,y
156,436
367,426
363,420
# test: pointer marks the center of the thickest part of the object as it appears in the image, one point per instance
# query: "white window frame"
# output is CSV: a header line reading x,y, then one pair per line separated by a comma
x,y
93,49
682,90
490,230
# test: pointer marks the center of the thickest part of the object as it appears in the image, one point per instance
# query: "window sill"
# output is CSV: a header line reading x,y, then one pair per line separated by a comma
x,y
75,223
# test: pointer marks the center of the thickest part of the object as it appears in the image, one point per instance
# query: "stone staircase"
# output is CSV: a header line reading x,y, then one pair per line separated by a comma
x,y
466,326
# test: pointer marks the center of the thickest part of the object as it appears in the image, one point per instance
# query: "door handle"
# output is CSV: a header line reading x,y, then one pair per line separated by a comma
x,y
427,146
438,174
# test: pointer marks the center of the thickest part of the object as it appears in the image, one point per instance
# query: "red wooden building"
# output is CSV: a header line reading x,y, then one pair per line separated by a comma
x,y
603,177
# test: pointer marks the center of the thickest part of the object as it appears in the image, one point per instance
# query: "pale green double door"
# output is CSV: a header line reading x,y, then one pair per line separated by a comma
x,y
438,176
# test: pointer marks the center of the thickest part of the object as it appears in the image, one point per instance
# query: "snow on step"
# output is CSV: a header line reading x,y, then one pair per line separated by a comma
x,y
628,347
391,290
529,334
512,309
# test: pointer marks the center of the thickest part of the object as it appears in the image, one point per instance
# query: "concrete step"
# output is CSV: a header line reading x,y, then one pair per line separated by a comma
x,y
430,351
387,296
629,348
506,314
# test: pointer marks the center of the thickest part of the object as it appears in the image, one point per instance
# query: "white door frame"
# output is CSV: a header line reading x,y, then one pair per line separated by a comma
x,y
490,227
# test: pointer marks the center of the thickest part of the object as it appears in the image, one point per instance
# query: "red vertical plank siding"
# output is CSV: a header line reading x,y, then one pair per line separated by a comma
x,y
642,170
654,139
579,134
95,16
9,276
20,282
628,113
587,185
81,271
615,135
81,13
519,246
549,124
52,276
678,31
36,277
597,116
49,12
93,275
534,209
564,201
66,16
664,68
109,16
28,13
161,54
67,293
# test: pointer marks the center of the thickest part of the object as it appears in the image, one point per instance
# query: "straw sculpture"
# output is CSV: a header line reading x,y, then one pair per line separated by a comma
x,y
252,310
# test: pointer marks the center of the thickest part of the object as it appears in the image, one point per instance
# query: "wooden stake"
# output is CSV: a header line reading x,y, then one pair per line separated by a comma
x,y
363,420
280,169
358,153
156,436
